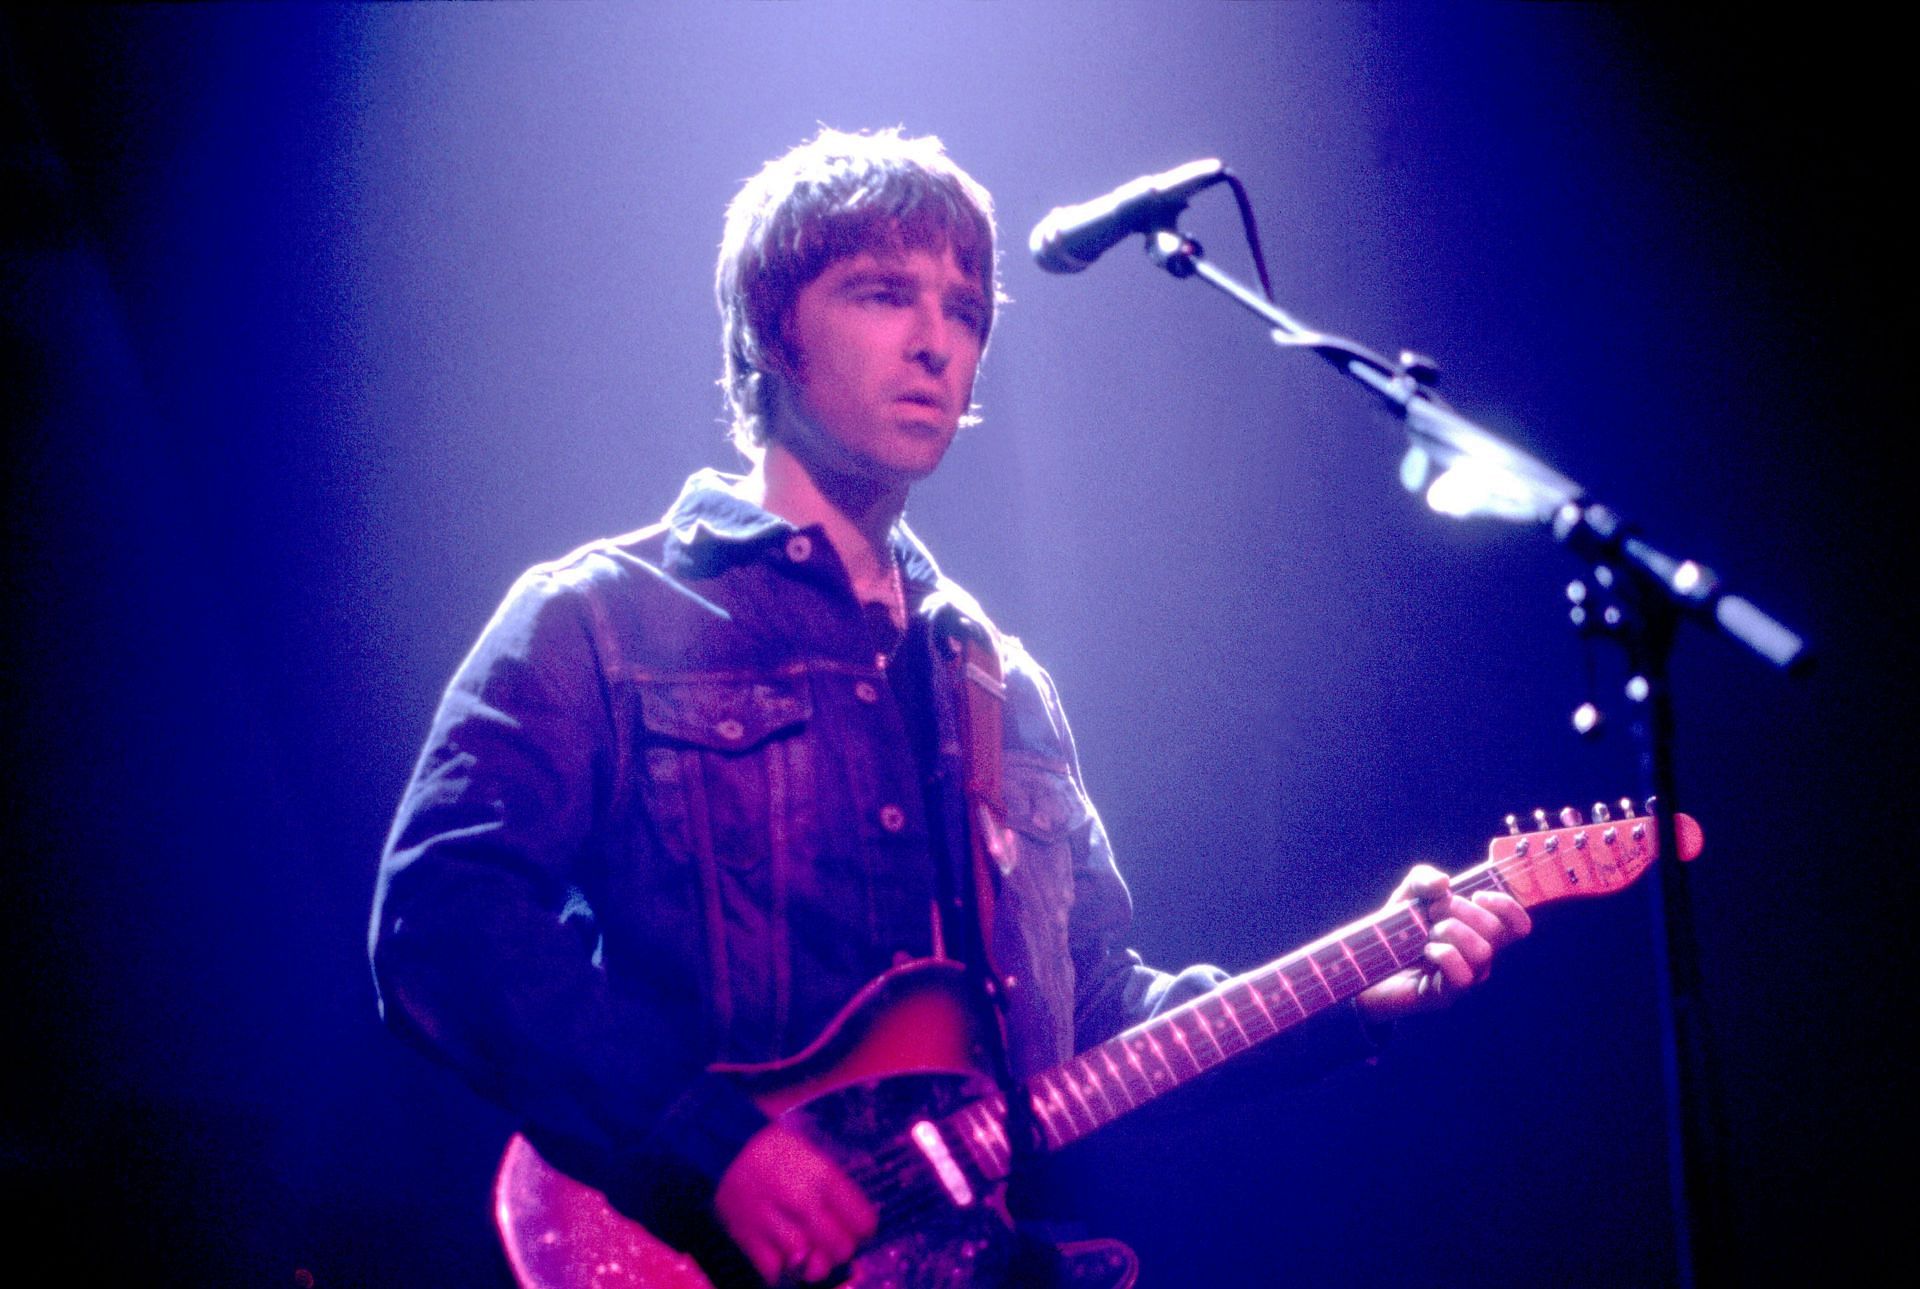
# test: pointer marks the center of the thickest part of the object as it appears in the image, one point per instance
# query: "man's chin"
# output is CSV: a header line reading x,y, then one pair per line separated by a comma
x,y
901,457
913,453
921,459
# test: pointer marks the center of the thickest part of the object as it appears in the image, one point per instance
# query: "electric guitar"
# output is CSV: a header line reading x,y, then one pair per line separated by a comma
x,y
894,1091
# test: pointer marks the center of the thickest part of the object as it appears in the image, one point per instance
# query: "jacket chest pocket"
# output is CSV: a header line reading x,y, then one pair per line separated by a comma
x,y
1046,814
1043,807
1044,810
726,767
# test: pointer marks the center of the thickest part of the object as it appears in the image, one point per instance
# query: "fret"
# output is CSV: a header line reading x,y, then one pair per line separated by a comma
x,y
1204,1024
1165,1076
1101,1084
1323,994
1484,878
1000,1145
1354,972
1246,1040
1178,1043
1309,986
1043,1113
1060,1103
1090,1078
1066,1072
1116,1077
985,1138
1277,994
1139,1088
1142,1046
1372,954
1405,935
1227,1032
1384,950
1247,987
997,1132
1337,970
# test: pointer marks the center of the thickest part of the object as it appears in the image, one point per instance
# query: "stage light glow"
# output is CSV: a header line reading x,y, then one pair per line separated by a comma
x,y
1470,488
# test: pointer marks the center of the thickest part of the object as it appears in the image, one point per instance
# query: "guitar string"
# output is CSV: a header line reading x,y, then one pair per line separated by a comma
x,y
897,1179
903,1199
888,1176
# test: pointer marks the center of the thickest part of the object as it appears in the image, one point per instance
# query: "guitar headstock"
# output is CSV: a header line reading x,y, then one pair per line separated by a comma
x,y
1583,856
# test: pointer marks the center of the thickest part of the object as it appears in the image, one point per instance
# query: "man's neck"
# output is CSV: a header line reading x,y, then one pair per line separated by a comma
x,y
856,515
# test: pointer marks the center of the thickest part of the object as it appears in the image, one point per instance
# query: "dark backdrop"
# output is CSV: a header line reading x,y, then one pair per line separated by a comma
x,y
324,322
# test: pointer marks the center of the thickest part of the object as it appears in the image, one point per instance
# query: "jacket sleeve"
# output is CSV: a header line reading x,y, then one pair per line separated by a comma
x,y
1115,990
481,940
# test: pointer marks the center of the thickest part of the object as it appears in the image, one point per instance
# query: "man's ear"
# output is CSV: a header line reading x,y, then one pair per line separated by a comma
x,y
771,352
771,395
756,396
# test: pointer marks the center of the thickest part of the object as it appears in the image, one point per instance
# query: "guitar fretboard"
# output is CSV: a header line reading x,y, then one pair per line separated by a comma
x,y
1155,1057
1127,1071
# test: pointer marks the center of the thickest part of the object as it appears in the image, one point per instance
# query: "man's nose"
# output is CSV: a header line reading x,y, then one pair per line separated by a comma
x,y
930,343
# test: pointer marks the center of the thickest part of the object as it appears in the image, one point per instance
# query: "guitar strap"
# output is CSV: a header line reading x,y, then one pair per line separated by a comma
x,y
992,845
980,712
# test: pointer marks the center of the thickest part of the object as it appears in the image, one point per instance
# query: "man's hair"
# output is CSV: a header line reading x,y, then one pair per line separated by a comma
x,y
834,196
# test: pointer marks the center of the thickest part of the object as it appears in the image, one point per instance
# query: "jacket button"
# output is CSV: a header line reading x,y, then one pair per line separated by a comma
x,y
892,817
799,548
866,691
729,729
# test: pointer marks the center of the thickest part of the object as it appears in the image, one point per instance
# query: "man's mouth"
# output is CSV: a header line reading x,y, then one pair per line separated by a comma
x,y
923,398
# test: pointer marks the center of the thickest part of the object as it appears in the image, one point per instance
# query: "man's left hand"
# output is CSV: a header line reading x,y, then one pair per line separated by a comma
x,y
1462,938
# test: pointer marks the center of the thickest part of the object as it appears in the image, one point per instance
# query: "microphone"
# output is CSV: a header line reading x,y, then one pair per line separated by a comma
x,y
1072,237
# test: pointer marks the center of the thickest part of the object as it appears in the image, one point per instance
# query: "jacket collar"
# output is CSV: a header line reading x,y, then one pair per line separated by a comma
x,y
709,527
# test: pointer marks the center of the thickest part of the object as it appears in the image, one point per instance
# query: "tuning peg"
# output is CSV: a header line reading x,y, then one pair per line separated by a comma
x,y
1540,820
1626,807
1513,825
1570,818
1422,368
1600,812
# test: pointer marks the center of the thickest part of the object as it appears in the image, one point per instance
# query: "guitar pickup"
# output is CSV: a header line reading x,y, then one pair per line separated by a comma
x,y
926,1136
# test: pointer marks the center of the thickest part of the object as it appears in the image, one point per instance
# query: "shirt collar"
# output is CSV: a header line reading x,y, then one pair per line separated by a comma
x,y
709,526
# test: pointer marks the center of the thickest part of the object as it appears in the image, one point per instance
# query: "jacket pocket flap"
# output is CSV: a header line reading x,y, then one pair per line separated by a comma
x,y
725,715
1040,803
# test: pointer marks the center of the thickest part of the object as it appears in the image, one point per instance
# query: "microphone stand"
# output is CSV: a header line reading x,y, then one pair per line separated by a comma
x,y
1643,596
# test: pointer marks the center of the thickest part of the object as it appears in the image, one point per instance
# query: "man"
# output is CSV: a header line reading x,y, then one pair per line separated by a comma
x,y
696,785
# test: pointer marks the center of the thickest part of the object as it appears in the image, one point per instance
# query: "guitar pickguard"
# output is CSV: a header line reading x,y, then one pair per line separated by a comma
x,y
926,1240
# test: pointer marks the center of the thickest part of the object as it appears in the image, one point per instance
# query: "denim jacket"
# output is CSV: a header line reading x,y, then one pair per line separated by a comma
x,y
668,815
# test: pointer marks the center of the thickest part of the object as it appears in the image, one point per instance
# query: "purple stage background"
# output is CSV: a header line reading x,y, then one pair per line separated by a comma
x,y
325,322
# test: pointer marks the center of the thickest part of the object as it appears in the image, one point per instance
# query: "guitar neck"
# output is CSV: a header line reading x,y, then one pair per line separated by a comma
x,y
1106,1081
1155,1057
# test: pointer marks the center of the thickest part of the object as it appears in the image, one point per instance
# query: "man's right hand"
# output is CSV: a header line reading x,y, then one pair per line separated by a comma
x,y
790,1208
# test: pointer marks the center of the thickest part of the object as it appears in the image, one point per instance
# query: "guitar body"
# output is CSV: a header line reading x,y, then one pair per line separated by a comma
x,y
895,1092
882,1092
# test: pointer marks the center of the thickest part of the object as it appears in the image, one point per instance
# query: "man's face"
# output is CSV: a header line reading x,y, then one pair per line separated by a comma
x,y
882,348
